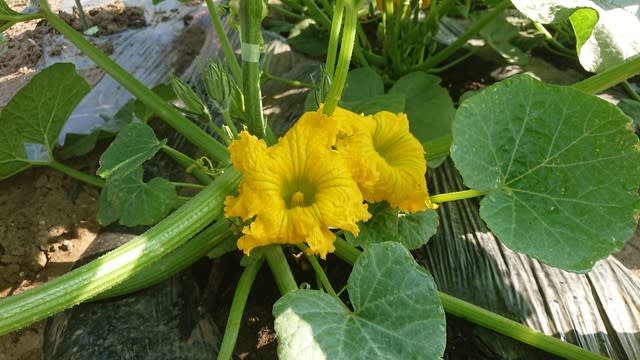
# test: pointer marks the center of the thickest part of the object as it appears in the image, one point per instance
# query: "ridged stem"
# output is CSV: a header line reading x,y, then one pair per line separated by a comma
x,y
103,273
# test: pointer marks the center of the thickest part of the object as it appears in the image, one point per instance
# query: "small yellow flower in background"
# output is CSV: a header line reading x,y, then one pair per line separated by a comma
x,y
386,160
296,190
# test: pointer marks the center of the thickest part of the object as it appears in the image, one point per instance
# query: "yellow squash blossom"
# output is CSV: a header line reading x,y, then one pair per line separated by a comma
x,y
297,190
386,160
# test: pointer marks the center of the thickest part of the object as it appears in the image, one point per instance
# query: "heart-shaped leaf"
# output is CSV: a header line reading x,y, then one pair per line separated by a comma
x,y
606,31
135,144
397,313
135,202
33,119
560,169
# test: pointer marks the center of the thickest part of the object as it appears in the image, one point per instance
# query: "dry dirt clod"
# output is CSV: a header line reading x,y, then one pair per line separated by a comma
x,y
66,245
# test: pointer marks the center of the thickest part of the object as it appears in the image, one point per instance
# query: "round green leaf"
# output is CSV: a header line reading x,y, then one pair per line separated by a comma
x,y
560,169
397,313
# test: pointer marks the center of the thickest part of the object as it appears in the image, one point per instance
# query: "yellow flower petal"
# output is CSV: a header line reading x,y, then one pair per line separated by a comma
x,y
296,190
386,161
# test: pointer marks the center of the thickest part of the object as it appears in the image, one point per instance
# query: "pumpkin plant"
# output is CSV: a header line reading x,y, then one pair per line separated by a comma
x,y
351,183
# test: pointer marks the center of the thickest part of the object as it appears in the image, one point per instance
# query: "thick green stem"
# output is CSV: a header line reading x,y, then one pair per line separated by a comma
x,y
342,68
457,195
227,50
86,178
508,327
280,269
491,320
250,19
609,77
460,41
201,244
91,279
237,309
160,107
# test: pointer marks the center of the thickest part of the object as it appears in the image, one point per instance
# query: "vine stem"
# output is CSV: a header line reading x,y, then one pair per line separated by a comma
x,y
250,19
21,17
334,34
609,77
491,320
103,273
322,276
204,242
227,50
280,269
342,68
457,195
191,166
76,174
237,308
462,39
160,107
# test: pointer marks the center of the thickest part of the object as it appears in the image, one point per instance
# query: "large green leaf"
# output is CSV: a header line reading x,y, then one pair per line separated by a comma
x,y
33,119
135,144
560,168
135,202
606,30
397,313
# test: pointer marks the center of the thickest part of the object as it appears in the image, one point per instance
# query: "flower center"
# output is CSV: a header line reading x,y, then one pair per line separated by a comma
x,y
297,199
299,194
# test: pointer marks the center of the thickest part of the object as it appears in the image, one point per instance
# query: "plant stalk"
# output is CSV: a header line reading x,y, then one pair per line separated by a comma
x,y
515,330
609,77
178,260
460,41
227,50
457,195
93,278
76,174
250,19
344,59
280,269
192,167
237,309
160,107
